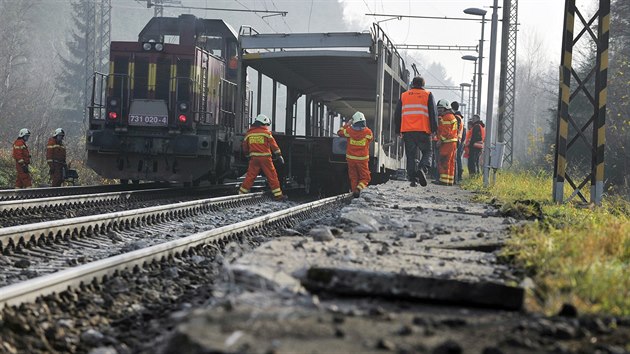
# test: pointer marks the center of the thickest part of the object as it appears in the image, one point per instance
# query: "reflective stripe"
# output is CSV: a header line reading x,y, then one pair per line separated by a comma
x,y
276,192
415,106
361,186
56,146
258,134
357,157
20,147
424,113
448,122
20,160
449,140
360,142
243,190
259,154
49,160
369,137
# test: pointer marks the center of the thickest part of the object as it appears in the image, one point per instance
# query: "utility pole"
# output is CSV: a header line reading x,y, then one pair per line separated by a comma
x,y
507,80
490,102
97,41
565,122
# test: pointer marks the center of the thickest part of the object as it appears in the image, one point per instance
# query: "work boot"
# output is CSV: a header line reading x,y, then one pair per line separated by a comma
x,y
356,194
413,183
281,198
422,178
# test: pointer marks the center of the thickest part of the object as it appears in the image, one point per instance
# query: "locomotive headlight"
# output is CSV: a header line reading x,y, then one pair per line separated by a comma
x,y
183,106
159,47
146,46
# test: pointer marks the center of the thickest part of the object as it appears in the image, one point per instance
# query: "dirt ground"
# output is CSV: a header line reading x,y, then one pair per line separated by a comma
x,y
400,269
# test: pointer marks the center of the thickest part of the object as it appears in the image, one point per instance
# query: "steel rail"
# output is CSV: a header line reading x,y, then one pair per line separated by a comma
x,y
14,194
12,206
49,230
73,278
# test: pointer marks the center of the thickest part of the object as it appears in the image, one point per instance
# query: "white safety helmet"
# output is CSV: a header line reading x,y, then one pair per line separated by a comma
x,y
262,119
59,131
358,117
443,104
24,132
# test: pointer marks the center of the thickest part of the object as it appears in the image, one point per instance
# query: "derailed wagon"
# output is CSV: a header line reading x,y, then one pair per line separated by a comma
x,y
324,78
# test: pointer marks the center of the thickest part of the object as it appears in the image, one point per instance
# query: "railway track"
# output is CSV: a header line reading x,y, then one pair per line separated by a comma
x,y
30,193
35,249
101,270
21,211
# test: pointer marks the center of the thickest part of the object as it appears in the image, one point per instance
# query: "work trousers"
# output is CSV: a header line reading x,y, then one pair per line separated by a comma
x,y
459,169
415,141
473,160
256,164
23,179
56,175
446,163
359,174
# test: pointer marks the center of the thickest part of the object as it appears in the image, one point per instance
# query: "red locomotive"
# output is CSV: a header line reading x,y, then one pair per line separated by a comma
x,y
165,111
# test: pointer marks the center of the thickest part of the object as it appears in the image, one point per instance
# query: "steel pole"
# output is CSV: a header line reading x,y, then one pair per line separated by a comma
x,y
480,73
489,103
474,90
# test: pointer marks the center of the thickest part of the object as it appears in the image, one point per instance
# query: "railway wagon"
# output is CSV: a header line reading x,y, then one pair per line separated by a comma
x,y
166,109
318,80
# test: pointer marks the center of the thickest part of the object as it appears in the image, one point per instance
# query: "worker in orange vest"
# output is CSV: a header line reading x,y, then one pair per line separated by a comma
x,y
259,145
459,168
447,142
357,152
415,121
22,159
475,145
467,140
56,157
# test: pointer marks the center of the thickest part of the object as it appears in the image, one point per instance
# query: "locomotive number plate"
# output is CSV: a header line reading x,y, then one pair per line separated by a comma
x,y
143,120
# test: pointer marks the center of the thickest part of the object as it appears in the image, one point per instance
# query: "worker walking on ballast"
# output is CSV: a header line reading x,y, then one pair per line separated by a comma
x,y
447,140
357,152
22,159
56,157
259,145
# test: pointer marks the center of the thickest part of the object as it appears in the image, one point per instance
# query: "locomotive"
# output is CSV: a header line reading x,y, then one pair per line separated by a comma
x,y
166,110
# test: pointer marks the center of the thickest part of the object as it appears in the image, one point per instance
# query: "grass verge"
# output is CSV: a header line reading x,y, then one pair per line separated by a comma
x,y
574,253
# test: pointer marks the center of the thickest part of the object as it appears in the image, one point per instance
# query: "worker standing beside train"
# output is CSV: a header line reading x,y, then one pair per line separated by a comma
x,y
56,157
259,145
22,159
415,120
447,141
357,152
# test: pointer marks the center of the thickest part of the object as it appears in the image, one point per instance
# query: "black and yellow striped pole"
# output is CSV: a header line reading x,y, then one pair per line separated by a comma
x,y
562,127
599,127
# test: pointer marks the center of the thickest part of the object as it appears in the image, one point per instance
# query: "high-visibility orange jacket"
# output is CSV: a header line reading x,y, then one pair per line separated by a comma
x,y
460,125
447,130
55,152
478,133
467,142
20,152
416,112
259,142
358,142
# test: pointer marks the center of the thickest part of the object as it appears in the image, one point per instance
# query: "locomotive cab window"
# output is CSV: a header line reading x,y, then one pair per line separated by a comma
x,y
212,44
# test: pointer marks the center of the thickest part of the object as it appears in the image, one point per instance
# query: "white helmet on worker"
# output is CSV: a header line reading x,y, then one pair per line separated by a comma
x,y
358,117
443,104
59,131
262,119
24,132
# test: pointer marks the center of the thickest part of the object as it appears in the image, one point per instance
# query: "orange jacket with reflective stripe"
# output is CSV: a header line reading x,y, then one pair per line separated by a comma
x,y
20,152
258,141
55,152
415,111
447,128
358,147
460,126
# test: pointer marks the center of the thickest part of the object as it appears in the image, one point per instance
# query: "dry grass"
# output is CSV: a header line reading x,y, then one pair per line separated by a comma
x,y
574,253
